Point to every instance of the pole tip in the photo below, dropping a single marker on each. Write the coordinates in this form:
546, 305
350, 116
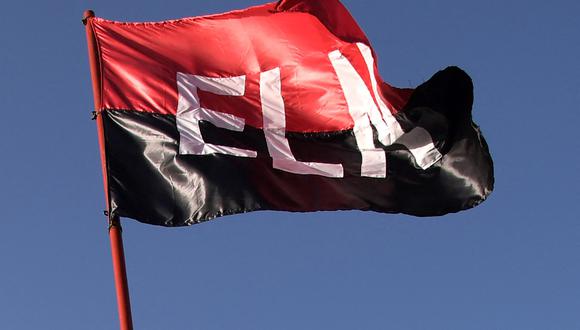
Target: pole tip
87, 14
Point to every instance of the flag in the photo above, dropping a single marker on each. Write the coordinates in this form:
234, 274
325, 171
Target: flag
275, 107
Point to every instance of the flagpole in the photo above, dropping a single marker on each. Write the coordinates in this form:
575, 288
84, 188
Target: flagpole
115, 231
121, 286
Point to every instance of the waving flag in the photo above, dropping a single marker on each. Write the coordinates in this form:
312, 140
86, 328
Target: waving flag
276, 107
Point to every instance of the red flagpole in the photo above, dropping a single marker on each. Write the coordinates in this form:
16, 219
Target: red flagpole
123, 303
115, 232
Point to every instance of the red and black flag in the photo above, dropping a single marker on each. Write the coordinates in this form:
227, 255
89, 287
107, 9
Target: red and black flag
276, 107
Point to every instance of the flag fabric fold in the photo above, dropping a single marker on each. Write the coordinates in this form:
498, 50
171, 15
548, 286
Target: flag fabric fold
277, 107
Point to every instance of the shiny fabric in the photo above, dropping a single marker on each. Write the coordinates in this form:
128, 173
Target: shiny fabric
140, 61
151, 181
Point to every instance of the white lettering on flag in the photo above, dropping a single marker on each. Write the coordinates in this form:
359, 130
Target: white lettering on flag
361, 106
190, 113
360, 103
392, 130
275, 130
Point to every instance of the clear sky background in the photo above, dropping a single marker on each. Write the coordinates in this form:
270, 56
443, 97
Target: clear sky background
511, 263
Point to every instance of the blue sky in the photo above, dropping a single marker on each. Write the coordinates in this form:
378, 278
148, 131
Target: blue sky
511, 263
